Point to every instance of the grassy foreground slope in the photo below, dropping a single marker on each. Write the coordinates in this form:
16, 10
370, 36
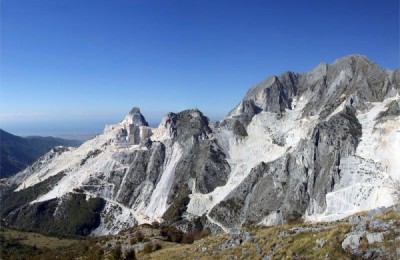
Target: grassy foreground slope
369, 235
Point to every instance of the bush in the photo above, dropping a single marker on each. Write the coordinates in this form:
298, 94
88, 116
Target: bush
116, 253
189, 238
156, 246
151, 247
202, 234
155, 224
139, 236
172, 234
130, 255
147, 248
133, 240
175, 235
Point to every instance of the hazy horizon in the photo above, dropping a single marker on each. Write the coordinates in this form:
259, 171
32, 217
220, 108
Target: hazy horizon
72, 66
74, 126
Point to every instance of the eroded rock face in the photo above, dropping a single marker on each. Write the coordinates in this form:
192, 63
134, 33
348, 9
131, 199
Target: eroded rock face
134, 117
319, 145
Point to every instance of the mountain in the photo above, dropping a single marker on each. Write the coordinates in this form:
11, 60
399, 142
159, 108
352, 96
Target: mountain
19, 152
317, 146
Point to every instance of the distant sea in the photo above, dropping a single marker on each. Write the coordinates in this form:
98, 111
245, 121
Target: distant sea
75, 136
77, 131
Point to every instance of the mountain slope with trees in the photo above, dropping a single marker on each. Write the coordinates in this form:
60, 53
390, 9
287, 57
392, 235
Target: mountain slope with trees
19, 152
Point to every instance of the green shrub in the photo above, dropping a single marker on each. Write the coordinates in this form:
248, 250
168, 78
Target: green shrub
116, 253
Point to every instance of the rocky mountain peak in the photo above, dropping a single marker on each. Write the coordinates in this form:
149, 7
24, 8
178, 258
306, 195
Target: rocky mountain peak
136, 126
134, 117
319, 146
356, 59
352, 79
185, 124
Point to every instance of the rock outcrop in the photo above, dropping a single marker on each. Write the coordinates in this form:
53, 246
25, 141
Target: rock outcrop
319, 146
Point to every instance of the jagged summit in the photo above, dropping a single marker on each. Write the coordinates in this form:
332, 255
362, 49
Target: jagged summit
359, 59
352, 79
135, 117
319, 145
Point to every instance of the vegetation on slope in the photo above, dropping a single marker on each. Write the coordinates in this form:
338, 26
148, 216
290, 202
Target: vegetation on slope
71, 215
19, 152
290, 241
10, 200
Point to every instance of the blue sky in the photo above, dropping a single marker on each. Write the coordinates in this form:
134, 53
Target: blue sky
73, 65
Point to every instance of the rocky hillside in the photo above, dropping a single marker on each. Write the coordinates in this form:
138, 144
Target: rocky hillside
318, 146
368, 235
19, 152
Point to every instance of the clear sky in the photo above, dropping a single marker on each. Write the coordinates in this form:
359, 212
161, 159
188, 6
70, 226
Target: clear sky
76, 65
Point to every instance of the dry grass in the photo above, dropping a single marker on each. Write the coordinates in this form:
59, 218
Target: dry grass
282, 247
303, 244
391, 215
189, 251
280, 242
291, 241
38, 240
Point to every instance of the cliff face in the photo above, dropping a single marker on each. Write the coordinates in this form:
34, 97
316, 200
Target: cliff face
319, 146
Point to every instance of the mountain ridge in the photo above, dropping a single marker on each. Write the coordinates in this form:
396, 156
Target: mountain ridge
306, 146
19, 152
